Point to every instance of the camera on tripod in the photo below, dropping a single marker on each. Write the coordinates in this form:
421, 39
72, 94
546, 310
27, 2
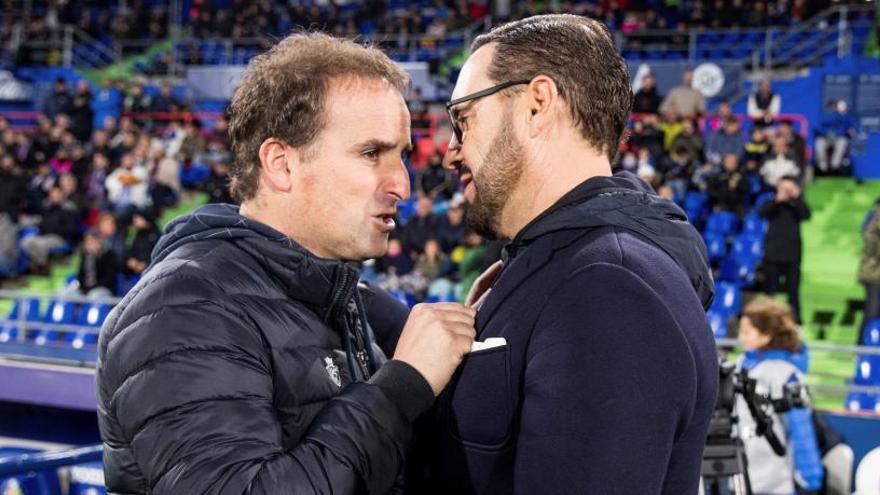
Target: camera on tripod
724, 460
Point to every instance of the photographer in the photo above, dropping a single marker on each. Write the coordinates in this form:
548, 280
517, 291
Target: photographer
775, 356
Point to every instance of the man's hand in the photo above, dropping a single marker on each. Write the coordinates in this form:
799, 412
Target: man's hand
435, 339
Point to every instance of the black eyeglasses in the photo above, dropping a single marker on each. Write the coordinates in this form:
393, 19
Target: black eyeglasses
453, 117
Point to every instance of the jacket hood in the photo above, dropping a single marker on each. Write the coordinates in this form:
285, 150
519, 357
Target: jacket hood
624, 201
325, 284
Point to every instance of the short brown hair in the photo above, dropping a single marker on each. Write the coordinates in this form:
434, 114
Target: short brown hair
283, 92
579, 55
774, 319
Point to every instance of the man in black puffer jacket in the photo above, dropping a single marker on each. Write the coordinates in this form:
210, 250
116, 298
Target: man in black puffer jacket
243, 362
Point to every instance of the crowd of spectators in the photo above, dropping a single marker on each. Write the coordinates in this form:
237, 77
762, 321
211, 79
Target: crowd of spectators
99, 177
143, 22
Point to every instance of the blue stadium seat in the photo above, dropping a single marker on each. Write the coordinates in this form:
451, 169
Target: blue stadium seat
763, 198
721, 222
871, 335
716, 246
860, 401
738, 271
754, 225
57, 313
696, 200
90, 315
748, 246
718, 323
867, 371
728, 299
31, 312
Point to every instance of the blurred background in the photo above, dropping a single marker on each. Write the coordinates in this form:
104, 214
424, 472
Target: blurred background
112, 123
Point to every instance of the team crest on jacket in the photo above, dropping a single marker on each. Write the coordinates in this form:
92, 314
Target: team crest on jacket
333, 371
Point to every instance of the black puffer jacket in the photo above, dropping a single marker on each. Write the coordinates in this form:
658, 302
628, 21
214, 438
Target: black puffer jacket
230, 368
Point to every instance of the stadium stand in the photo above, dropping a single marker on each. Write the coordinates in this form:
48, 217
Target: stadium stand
110, 107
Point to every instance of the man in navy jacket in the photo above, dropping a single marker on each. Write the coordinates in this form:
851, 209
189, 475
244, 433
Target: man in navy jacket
607, 375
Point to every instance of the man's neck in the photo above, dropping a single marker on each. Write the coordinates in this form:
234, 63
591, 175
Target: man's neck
549, 177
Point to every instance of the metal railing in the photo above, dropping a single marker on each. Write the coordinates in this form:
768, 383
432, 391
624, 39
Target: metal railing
817, 351
829, 32
42, 461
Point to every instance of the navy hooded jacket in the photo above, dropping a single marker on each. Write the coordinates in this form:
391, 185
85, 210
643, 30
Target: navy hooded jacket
609, 374
228, 369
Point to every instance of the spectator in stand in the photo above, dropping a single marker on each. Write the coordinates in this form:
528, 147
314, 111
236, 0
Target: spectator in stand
193, 142
797, 146
145, 238
112, 236
764, 105
70, 187
60, 101
779, 164
725, 141
128, 189
219, 133
646, 136
58, 228
98, 268
107, 102
647, 99
677, 170
165, 100
95, 190
434, 181
782, 244
12, 188
38, 188
451, 228
690, 139
217, 185
757, 148
82, 116
419, 228
835, 133
432, 263
684, 99
396, 262
138, 102
729, 188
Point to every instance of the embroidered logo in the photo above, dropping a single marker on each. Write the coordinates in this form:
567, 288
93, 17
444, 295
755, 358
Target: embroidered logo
333, 371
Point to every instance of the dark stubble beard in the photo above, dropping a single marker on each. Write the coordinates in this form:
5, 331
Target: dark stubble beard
495, 181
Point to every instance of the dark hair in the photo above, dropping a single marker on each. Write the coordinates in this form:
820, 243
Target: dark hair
283, 92
579, 55
774, 319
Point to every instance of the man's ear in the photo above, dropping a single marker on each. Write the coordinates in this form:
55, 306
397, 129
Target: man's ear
277, 164
542, 100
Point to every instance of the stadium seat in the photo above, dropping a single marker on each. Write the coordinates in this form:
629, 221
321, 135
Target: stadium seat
738, 271
728, 299
57, 313
31, 311
871, 335
718, 323
90, 315
721, 222
763, 198
861, 401
754, 225
867, 371
405, 211
716, 246
748, 246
